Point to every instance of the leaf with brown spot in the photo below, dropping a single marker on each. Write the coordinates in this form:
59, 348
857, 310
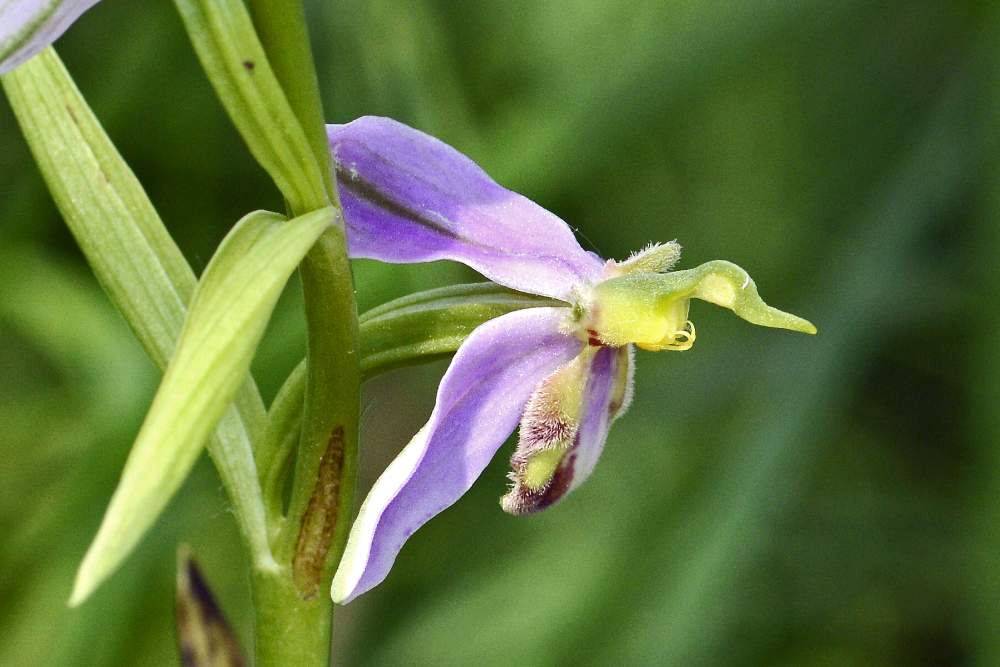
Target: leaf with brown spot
320, 519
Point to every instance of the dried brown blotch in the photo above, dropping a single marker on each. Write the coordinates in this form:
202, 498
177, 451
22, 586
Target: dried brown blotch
319, 519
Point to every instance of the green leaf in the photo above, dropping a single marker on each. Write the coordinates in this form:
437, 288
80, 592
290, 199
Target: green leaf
133, 256
432, 324
228, 315
105, 207
227, 45
284, 426
413, 329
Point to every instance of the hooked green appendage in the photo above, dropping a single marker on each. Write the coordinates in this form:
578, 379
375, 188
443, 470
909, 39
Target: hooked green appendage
651, 309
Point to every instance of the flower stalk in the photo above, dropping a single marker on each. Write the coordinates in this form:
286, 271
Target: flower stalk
311, 536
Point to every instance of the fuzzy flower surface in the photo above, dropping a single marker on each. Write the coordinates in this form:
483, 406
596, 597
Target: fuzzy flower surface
562, 373
28, 26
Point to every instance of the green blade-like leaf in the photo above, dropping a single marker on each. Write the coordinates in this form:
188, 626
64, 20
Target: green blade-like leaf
227, 45
133, 256
432, 324
228, 315
105, 207
413, 329
284, 427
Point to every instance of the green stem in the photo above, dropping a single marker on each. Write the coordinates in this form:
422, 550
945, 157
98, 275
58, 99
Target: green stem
330, 415
289, 630
293, 611
312, 536
281, 27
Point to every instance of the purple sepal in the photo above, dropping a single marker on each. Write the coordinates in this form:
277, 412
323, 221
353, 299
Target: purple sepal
408, 197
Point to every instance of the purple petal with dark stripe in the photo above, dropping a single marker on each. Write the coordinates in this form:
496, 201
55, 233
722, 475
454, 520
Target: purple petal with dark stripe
408, 197
479, 403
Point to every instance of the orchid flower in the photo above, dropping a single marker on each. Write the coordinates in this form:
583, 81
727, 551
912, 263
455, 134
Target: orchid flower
28, 26
562, 372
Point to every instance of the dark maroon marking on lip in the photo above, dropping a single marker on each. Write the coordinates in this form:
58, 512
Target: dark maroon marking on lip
561, 481
248, 65
539, 435
528, 501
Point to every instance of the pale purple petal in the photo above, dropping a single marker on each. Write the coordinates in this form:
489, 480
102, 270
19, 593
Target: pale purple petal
28, 26
479, 403
408, 197
608, 394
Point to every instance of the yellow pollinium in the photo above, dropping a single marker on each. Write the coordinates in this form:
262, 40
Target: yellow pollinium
679, 340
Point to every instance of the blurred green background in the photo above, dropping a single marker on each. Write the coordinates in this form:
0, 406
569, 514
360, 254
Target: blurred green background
771, 499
